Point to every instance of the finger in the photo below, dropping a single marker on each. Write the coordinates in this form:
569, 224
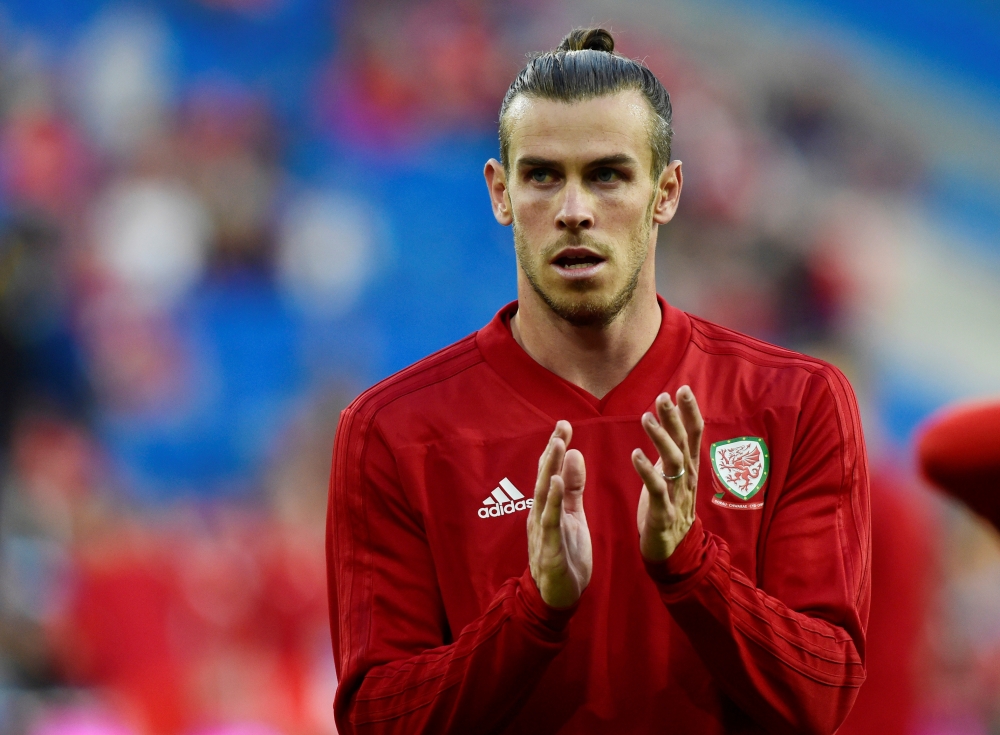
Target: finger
552, 514
550, 462
574, 471
659, 500
642, 510
563, 430
670, 454
670, 419
574, 476
693, 421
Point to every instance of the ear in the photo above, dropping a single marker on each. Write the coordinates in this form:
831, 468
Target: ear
668, 193
496, 182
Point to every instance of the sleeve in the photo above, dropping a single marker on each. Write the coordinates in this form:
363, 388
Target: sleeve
789, 652
400, 670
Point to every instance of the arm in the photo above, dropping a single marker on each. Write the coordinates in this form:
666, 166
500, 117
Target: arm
401, 670
789, 652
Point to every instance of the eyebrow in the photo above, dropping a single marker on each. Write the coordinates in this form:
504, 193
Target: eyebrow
619, 159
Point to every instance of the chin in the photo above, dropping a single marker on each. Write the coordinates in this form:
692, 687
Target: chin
587, 310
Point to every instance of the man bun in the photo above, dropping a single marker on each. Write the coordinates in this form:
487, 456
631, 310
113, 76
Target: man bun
588, 39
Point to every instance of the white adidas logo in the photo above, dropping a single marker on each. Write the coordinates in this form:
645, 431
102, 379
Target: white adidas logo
503, 500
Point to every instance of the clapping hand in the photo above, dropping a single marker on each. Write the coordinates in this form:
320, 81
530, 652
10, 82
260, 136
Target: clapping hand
559, 550
670, 487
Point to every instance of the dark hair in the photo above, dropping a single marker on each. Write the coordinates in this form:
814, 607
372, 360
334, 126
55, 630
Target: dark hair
585, 66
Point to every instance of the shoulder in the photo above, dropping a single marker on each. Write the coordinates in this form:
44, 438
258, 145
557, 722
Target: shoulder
714, 340
753, 361
422, 384
421, 377
809, 401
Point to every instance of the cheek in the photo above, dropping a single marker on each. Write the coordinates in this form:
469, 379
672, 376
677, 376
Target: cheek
532, 212
626, 214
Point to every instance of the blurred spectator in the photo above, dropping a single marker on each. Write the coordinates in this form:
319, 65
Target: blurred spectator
52, 470
413, 71
904, 572
327, 250
229, 147
959, 451
151, 238
122, 79
42, 364
211, 614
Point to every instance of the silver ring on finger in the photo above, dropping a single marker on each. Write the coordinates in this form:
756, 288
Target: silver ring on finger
678, 476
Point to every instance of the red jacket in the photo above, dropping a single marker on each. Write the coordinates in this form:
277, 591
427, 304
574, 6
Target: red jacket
755, 624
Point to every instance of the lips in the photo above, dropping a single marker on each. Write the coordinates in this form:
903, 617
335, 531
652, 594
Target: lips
577, 261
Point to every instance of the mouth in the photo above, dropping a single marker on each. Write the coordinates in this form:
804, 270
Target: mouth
577, 262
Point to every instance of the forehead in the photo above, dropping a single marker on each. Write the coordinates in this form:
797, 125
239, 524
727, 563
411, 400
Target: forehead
580, 131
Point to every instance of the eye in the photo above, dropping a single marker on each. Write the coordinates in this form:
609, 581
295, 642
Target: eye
541, 175
606, 175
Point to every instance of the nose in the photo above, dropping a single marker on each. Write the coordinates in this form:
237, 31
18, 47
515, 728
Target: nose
575, 211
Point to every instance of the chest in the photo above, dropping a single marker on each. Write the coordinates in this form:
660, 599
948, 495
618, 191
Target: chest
474, 493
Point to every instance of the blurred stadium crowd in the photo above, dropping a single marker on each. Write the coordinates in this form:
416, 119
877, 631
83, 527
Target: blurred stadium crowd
221, 219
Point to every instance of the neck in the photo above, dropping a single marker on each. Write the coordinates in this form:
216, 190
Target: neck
594, 358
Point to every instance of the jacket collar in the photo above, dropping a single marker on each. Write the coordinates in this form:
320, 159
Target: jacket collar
560, 399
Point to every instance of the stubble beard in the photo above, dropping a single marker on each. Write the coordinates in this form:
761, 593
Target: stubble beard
587, 312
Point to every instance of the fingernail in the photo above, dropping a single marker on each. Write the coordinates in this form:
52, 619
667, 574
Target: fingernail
649, 418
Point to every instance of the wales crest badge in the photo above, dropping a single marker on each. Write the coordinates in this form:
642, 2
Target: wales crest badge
741, 466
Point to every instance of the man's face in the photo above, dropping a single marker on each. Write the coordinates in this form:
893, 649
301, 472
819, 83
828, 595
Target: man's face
582, 201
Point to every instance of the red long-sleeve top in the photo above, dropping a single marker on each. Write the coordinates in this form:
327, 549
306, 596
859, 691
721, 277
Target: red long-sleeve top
756, 623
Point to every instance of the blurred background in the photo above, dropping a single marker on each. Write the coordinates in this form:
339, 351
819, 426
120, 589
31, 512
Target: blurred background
220, 220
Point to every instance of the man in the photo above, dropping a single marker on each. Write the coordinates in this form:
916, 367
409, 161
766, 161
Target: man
958, 450
667, 564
